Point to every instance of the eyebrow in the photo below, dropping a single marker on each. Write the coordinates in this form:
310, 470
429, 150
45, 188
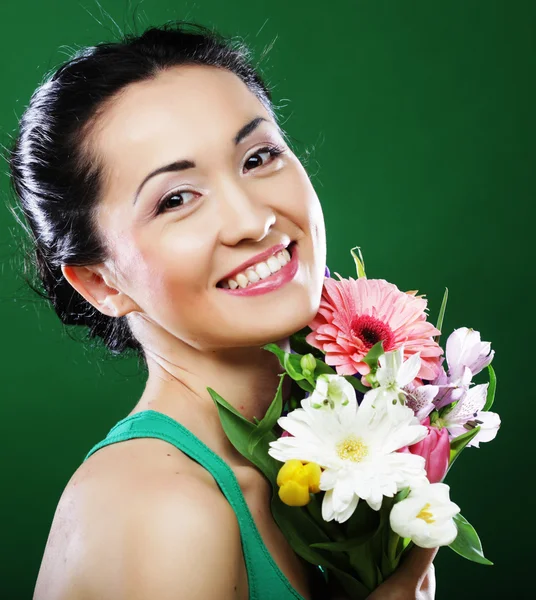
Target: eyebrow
182, 165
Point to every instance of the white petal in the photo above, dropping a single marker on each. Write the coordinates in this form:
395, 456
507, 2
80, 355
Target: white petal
388, 366
483, 360
409, 369
465, 349
344, 515
455, 346
343, 494
468, 405
328, 479
489, 425
441, 531
288, 448
375, 501
420, 399
328, 513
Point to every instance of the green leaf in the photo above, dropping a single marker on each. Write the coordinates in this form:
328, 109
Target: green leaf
275, 349
459, 443
238, 430
490, 397
439, 323
300, 530
467, 542
362, 560
363, 525
332, 529
291, 363
274, 411
359, 262
386, 567
401, 495
260, 438
346, 545
373, 355
220, 402
304, 527
362, 519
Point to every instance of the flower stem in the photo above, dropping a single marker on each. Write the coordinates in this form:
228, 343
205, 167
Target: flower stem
394, 538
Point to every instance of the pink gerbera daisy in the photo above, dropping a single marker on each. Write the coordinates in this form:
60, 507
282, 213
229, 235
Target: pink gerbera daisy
355, 314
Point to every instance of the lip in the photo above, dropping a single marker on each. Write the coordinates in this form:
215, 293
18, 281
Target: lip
274, 281
255, 259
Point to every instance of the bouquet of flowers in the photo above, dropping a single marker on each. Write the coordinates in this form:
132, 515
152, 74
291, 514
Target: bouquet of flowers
357, 454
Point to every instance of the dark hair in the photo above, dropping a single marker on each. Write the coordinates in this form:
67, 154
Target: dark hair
57, 181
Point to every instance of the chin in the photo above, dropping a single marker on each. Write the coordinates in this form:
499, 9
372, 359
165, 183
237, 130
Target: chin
281, 324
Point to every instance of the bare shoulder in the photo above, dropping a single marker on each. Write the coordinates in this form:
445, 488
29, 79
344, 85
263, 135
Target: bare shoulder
131, 525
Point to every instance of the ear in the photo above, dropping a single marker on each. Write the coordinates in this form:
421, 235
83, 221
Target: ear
95, 285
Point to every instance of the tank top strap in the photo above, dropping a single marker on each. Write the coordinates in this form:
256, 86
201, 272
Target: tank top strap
151, 423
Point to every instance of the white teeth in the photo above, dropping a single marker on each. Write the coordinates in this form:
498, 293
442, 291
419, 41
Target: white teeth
242, 280
274, 264
263, 270
259, 271
252, 275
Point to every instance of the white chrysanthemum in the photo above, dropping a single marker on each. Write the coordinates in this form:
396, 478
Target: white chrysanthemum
425, 516
357, 448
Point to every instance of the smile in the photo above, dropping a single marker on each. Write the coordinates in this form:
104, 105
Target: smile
264, 276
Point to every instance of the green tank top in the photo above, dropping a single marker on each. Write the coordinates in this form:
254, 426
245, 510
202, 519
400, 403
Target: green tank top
266, 581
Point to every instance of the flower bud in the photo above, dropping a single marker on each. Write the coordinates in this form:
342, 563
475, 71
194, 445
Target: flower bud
297, 480
308, 364
435, 449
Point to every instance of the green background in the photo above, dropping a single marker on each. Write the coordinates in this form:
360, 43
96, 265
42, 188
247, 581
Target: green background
416, 122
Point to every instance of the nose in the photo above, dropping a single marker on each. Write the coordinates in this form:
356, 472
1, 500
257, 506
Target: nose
244, 216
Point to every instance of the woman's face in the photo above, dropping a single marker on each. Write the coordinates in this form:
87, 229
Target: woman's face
176, 238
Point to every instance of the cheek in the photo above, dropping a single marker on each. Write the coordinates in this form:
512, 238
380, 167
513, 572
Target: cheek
302, 204
308, 215
171, 271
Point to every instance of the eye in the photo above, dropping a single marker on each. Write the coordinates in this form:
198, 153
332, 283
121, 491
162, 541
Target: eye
272, 151
172, 200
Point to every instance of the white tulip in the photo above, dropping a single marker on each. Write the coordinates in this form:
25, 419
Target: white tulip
426, 516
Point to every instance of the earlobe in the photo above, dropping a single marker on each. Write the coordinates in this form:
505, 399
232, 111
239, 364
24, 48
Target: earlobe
92, 284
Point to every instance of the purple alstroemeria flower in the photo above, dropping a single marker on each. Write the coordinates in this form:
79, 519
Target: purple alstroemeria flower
466, 356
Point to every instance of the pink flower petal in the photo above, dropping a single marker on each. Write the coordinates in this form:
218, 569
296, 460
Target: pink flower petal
354, 314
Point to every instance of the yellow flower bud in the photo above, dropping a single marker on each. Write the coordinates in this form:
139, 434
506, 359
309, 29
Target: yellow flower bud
314, 472
288, 470
296, 480
294, 494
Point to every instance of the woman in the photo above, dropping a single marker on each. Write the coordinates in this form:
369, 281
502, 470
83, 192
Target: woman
170, 216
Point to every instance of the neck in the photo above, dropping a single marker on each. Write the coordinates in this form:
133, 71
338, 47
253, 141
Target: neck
247, 378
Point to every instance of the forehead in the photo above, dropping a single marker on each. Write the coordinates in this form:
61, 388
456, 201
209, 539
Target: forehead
178, 113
